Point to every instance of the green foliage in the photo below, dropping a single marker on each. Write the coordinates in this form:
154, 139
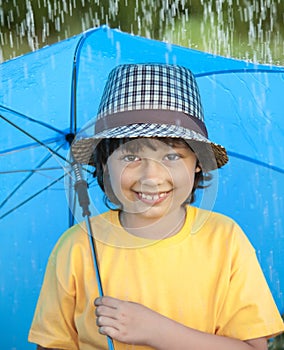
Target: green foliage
250, 29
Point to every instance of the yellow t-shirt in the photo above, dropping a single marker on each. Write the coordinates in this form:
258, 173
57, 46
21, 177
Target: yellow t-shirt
206, 277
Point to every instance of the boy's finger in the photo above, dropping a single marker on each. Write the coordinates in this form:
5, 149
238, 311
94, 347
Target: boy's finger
98, 302
107, 301
103, 310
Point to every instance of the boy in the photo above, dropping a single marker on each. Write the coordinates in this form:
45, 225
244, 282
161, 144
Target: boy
174, 276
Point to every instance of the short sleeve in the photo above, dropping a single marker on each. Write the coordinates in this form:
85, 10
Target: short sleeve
53, 324
249, 310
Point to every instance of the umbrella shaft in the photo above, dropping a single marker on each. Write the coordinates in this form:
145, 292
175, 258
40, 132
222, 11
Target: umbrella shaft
96, 266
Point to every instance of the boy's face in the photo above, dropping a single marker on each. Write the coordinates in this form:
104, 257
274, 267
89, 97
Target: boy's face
150, 182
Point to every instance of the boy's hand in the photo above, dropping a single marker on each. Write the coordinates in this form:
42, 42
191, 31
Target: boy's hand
126, 321
136, 324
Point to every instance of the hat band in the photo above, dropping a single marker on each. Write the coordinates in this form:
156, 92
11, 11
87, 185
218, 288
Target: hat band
151, 116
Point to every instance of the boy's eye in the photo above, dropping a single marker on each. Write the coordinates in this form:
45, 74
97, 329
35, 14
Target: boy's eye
172, 156
130, 158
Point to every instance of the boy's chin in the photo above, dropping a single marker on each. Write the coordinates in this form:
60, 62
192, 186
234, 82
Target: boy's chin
147, 211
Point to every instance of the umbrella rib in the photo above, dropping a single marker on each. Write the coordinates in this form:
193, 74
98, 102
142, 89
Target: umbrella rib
73, 116
73, 107
242, 70
34, 138
43, 161
255, 161
28, 146
31, 197
31, 119
29, 170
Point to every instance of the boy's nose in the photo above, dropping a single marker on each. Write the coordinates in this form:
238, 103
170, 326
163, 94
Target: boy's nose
152, 172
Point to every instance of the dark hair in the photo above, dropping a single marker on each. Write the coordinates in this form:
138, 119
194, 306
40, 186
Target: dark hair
107, 146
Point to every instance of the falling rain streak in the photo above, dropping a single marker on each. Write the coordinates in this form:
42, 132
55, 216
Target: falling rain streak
246, 29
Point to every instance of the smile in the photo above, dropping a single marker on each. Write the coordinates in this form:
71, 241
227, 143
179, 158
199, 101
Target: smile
152, 197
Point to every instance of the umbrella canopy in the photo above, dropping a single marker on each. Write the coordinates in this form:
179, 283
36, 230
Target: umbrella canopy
47, 96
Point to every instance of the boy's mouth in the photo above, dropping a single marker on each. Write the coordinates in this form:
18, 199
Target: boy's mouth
152, 197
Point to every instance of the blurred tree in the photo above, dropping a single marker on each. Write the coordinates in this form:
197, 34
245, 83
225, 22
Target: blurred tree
248, 29
242, 28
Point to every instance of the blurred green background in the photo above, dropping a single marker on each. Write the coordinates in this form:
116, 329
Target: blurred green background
246, 29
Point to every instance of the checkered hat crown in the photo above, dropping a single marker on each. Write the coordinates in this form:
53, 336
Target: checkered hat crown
150, 100
151, 87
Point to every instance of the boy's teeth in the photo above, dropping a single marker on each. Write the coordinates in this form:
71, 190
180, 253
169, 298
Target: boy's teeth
153, 197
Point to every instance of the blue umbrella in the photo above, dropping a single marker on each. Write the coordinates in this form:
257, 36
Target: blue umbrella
48, 96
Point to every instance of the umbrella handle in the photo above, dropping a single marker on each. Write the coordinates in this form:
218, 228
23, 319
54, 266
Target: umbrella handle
81, 187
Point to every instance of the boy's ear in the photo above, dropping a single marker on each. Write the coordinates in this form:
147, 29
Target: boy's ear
197, 168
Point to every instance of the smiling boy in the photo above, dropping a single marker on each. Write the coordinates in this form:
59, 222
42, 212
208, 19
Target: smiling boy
175, 277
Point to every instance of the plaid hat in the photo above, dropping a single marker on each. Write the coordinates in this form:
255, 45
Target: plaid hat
150, 100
